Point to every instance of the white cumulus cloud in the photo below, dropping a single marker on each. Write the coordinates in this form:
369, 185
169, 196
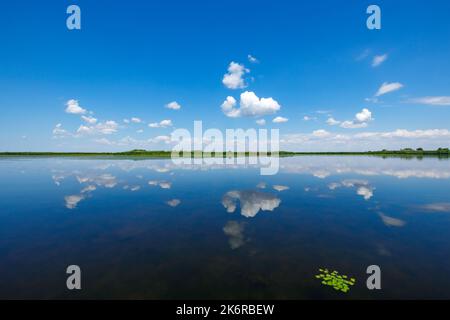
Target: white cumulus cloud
332, 122
361, 120
162, 124
73, 107
233, 79
107, 127
173, 105
250, 106
364, 116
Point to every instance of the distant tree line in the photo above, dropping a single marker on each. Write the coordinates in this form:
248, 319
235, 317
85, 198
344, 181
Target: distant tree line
406, 152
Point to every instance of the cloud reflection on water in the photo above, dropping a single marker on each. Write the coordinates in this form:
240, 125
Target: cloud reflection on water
251, 202
235, 232
363, 188
94, 173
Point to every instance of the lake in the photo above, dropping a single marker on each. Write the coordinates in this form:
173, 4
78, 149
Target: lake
148, 229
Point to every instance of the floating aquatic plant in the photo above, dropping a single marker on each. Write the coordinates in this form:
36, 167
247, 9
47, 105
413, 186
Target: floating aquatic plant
334, 279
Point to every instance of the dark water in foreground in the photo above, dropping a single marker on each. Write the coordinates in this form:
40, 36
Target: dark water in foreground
149, 229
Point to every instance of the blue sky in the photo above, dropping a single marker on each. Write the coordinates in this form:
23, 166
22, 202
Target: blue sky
317, 60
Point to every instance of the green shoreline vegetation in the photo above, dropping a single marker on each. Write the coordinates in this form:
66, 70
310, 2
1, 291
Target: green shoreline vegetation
408, 152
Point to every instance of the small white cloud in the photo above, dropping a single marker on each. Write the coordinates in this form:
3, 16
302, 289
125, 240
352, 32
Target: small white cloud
136, 120
85, 130
252, 59
280, 120
433, 101
364, 116
228, 107
59, 132
353, 125
378, 60
89, 119
332, 122
261, 122
250, 106
320, 133
73, 107
159, 139
162, 124
387, 87
361, 120
233, 79
173, 105
107, 127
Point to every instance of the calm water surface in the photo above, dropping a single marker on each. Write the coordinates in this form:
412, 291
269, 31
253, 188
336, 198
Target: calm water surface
148, 229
